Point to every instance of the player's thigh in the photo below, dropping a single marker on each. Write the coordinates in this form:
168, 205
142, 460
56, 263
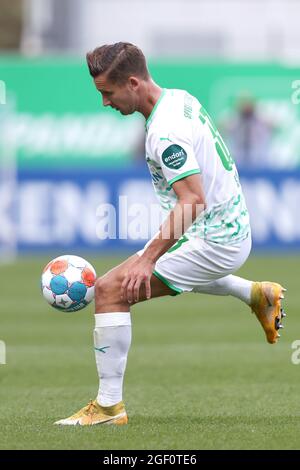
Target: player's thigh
158, 289
109, 284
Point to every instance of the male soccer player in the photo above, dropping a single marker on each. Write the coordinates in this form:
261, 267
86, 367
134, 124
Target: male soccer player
203, 240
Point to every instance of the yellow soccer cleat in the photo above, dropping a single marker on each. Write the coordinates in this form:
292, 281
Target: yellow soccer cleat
266, 304
94, 413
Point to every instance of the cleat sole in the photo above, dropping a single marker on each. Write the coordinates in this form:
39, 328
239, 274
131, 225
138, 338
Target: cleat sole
269, 312
277, 323
283, 314
275, 302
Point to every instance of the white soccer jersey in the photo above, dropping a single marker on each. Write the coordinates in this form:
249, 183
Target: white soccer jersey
182, 140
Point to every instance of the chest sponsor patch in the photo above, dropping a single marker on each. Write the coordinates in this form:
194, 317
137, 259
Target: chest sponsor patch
174, 157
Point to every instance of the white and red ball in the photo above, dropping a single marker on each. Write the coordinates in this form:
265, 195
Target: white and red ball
68, 283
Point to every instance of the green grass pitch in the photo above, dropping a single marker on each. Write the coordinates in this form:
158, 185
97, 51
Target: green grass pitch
200, 374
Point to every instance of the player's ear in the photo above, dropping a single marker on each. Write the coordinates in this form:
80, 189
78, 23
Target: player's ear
134, 83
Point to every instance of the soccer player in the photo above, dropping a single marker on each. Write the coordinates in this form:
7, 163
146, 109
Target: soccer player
204, 239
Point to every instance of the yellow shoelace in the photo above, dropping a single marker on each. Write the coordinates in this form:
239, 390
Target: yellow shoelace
90, 407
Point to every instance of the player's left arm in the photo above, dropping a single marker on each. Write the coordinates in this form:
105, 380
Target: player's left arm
190, 202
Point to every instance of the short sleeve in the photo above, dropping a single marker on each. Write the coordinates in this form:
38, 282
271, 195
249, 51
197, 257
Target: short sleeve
175, 154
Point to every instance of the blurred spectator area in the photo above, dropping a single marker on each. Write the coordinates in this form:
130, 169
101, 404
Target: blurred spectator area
213, 48
248, 133
231, 29
11, 17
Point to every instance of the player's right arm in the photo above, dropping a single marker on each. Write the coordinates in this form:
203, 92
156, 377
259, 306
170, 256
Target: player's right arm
175, 158
190, 203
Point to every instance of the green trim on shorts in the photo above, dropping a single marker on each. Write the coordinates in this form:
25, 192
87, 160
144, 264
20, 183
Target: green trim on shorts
183, 175
165, 281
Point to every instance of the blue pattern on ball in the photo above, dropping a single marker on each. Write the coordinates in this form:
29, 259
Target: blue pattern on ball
77, 291
59, 285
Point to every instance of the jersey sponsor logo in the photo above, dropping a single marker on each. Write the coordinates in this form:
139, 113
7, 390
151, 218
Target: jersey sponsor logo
174, 157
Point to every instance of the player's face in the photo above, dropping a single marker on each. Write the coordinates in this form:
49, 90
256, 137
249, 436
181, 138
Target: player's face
123, 97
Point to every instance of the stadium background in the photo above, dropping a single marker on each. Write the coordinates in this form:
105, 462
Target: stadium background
62, 154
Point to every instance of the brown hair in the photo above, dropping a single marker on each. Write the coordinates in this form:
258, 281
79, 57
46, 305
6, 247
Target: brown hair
119, 61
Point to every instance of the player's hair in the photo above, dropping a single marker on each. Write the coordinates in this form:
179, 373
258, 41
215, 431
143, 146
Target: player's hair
119, 61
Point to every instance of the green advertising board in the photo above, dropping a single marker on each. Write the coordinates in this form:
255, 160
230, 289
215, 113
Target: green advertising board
54, 115
274, 88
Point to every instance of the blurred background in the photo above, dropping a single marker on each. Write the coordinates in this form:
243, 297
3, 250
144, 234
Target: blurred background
62, 153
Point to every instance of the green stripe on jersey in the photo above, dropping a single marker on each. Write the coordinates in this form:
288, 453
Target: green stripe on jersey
183, 175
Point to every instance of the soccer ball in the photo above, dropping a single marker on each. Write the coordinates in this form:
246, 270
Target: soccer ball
68, 283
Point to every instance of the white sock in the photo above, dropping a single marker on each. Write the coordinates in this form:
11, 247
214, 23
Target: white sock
112, 338
228, 285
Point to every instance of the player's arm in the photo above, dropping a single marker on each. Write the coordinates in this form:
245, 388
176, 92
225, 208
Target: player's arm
190, 203
175, 156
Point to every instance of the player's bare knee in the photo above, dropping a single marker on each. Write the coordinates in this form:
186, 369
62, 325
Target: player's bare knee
107, 295
101, 287
106, 287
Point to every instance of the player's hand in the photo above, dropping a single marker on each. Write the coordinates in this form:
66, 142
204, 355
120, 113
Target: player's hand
140, 273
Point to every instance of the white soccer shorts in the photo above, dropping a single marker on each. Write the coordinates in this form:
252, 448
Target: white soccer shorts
193, 264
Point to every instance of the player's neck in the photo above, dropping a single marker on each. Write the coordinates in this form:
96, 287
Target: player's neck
149, 99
